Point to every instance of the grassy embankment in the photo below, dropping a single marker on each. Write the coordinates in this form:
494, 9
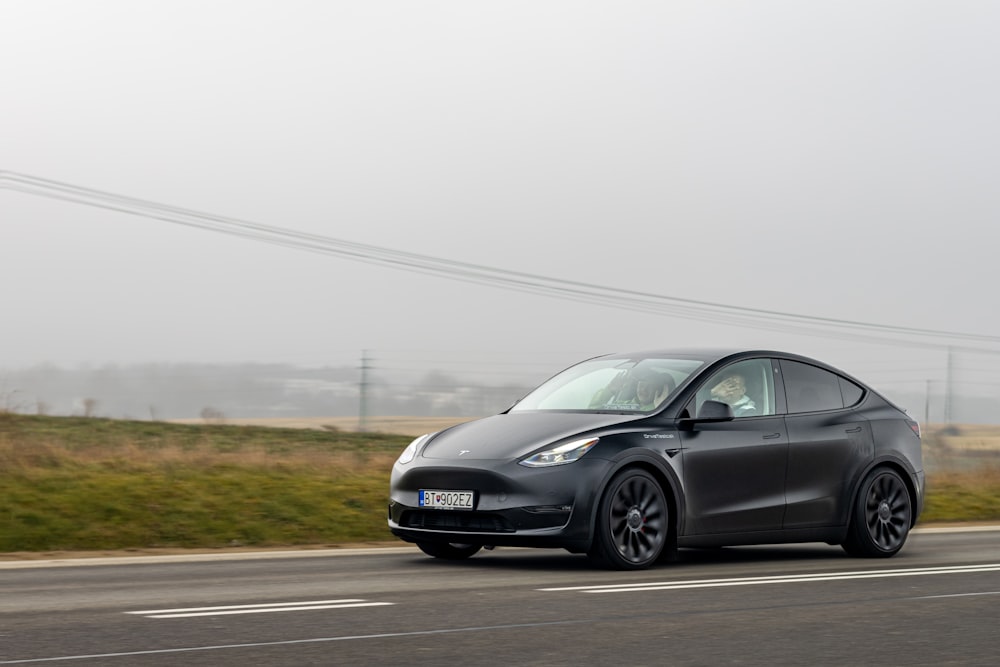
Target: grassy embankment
80, 484
94, 484
962, 464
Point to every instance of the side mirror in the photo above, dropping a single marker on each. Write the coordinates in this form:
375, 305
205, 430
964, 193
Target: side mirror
715, 411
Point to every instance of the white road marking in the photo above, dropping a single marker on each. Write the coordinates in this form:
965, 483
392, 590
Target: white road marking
785, 579
954, 529
956, 595
290, 642
311, 605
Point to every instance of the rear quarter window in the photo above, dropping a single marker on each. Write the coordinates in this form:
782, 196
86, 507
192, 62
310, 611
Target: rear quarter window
851, 392
810, 389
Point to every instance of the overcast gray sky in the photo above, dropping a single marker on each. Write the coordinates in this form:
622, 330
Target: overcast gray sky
836, 159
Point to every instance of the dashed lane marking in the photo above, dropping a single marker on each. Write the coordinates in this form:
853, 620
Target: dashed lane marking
784, 579
311, 605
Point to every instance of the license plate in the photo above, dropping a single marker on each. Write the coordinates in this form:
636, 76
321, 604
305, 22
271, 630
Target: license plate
446, 500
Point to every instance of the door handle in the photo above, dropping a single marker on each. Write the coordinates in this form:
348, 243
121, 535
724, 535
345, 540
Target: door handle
771, 436
856, 429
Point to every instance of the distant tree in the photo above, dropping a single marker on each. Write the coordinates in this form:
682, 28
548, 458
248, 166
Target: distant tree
212, 416
9, 401
90, 407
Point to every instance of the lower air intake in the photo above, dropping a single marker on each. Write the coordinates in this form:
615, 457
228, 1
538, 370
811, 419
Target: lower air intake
459, 521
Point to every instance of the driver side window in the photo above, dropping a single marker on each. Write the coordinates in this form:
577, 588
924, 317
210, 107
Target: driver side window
747, 386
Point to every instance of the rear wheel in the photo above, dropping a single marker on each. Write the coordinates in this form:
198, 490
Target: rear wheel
881, 519
449, 550
633, 522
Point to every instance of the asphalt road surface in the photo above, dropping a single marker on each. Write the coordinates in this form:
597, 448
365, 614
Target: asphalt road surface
936, 603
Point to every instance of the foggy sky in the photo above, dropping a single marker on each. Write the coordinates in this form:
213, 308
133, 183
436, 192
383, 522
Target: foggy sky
838, 159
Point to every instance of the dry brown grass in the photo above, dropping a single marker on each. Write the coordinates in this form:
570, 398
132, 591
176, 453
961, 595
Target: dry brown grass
412, 426
29, 455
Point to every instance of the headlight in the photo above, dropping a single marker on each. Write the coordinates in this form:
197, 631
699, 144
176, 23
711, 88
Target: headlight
411, 450
557, 456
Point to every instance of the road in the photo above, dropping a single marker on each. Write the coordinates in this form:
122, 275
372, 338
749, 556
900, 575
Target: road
936, 603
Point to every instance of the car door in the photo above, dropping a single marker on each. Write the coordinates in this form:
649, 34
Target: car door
734, 471
829, 445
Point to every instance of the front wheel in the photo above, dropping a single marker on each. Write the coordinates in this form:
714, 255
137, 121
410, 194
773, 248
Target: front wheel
449, 550
633, 522
881, 518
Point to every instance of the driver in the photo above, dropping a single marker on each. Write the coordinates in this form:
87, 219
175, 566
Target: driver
636, 389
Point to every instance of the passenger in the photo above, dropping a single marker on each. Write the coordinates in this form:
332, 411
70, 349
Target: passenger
732, 390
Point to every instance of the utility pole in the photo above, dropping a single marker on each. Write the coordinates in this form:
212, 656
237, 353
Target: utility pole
363, 413
927, 405
947, 388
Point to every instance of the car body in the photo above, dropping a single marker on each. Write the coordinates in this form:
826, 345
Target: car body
589, 463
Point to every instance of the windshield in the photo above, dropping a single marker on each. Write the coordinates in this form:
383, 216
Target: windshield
611, 383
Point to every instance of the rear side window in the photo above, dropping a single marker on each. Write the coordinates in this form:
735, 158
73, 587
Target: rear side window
809, 388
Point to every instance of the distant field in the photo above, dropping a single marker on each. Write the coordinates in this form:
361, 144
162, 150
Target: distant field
961, 447
954, 437
945, 447
966, 437
412, 426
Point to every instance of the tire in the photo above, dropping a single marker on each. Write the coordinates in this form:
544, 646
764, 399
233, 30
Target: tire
633, 522
449, 550
881, 518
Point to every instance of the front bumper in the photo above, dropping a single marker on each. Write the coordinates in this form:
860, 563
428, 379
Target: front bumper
513, 506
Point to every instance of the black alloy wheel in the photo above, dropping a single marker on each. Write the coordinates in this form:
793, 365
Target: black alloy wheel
449, 550
882, 516
632, 522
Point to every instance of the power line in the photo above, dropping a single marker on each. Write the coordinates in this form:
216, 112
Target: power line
644, 302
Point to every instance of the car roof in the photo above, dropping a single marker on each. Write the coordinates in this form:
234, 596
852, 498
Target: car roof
704, 353
711, 355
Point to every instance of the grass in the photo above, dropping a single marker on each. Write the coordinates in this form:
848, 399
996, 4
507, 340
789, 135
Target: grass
963, 496
95, 484
82, 484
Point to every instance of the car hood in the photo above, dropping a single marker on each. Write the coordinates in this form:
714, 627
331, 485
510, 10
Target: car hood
516, 434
